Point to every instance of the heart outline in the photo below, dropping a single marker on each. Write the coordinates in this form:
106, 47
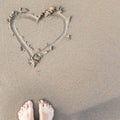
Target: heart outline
24, 13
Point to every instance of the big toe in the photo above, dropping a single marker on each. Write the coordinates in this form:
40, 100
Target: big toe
41, 103
30, 104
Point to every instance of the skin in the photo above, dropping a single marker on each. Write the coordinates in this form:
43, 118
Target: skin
46, 111
26, 111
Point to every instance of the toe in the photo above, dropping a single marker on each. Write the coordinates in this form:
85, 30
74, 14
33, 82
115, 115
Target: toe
30, 104
21, 109
51, 108
41, 103
19, 113
25, 106
46, 104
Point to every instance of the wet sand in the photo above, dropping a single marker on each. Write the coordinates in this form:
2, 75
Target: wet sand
80, 77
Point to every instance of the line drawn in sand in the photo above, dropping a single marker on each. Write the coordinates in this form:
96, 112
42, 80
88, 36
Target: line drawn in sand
35, 57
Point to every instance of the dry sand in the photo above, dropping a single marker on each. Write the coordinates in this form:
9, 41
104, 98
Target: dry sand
81, 77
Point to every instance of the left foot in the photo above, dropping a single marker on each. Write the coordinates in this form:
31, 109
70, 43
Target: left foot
26, 111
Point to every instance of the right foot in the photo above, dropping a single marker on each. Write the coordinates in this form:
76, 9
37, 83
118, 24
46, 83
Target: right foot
46, 111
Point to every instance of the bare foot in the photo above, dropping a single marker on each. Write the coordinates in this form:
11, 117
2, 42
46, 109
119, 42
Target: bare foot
26, 111
46, 111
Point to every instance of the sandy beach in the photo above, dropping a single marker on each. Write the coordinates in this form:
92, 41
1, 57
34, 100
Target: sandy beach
81, 77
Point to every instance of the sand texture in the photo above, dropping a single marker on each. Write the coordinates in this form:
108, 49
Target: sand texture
81, 77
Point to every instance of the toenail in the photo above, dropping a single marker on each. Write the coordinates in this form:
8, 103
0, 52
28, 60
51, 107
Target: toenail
41, 101
29, 101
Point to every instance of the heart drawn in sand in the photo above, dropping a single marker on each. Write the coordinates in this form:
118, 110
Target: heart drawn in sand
35, 57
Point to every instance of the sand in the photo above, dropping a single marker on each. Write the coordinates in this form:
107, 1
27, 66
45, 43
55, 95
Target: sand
80, 77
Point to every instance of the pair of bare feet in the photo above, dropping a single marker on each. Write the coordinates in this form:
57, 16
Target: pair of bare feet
46, 111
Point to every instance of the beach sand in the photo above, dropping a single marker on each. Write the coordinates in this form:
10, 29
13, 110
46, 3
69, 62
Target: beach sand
81, 77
